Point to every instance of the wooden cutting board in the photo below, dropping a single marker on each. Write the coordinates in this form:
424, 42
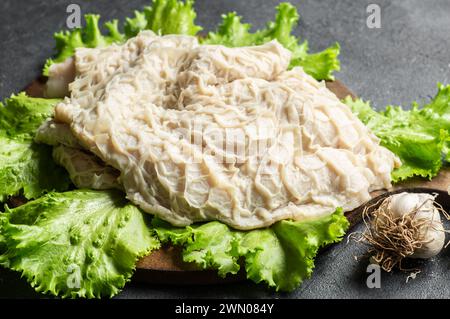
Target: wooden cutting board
166, 265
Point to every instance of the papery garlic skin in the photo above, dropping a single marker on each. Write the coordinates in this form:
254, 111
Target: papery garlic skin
431, 232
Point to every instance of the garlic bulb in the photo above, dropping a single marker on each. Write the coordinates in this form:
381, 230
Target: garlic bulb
432, 231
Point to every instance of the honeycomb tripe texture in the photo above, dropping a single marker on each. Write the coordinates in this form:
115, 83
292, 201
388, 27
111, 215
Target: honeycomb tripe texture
206, 132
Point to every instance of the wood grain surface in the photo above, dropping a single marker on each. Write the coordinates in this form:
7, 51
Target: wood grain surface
165, 265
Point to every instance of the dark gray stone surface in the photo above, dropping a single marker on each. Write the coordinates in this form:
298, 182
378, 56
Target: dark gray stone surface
397, 64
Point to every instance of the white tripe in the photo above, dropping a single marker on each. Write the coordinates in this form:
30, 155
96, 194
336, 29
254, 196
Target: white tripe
206, 132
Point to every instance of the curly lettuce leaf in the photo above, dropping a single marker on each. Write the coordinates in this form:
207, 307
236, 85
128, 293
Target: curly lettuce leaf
436, 114
21, 115
133, 26
172, 17
320, 65
29, 168
419, 136
24, 165
163, 16
209, 245
82, 243
282, 256
232, 32
2, 238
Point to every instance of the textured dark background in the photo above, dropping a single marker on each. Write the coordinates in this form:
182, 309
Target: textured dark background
397, 64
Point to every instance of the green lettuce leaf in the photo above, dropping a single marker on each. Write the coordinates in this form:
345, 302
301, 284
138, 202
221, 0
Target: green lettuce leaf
24, 165
210, 245
232, 32
419, 136
81, 243
133, 26
320, 65
2, 238
164, 17
21, 115
172, 17
282, 256
28, 167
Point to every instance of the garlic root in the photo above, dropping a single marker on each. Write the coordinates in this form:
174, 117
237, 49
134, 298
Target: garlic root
405, 225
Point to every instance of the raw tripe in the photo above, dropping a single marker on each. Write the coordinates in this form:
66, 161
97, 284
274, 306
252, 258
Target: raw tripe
206, 132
